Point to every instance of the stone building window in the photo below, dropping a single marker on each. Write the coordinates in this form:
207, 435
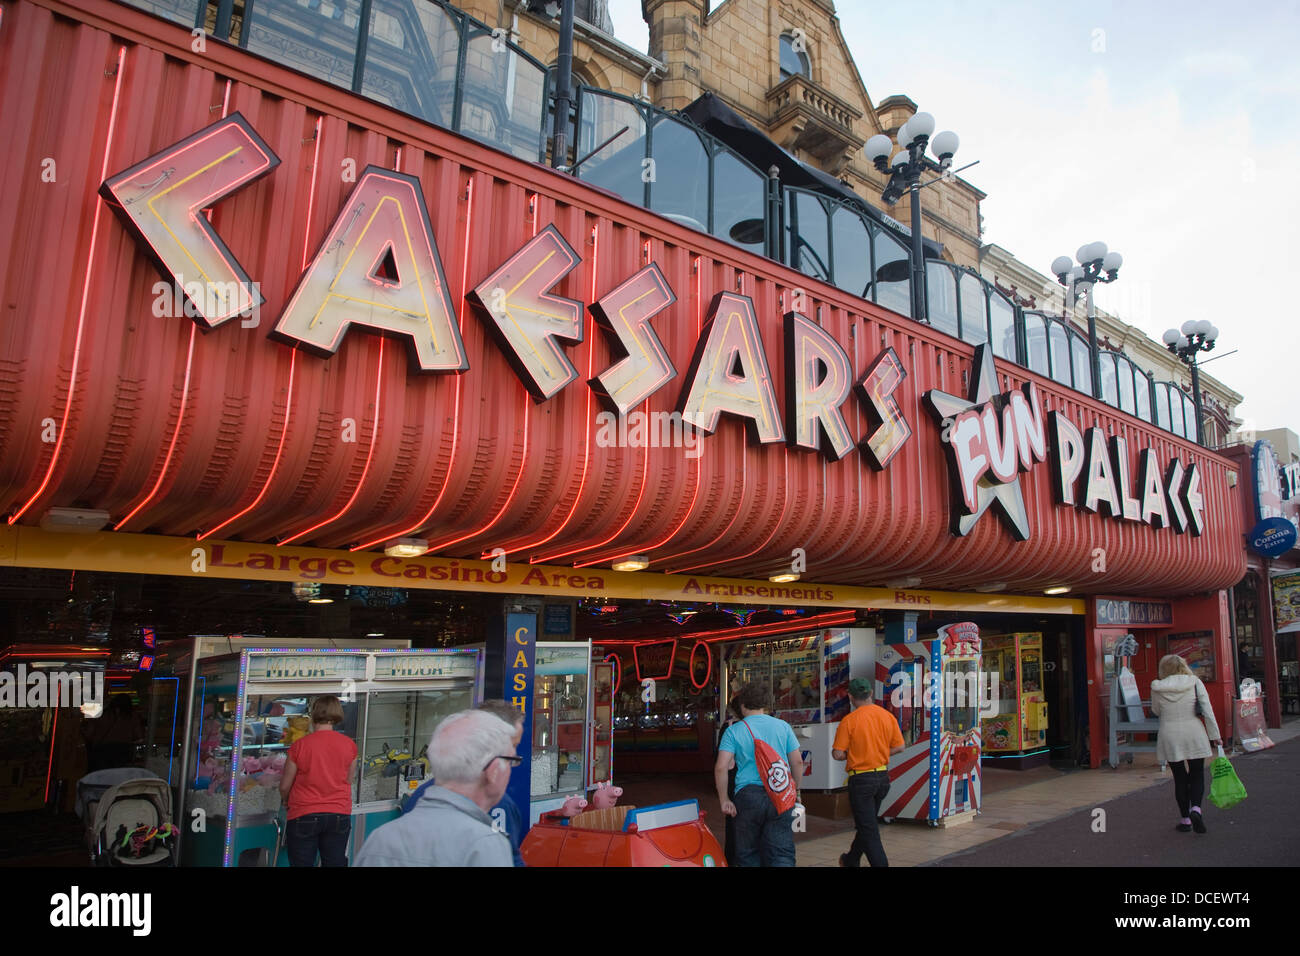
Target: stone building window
794, 56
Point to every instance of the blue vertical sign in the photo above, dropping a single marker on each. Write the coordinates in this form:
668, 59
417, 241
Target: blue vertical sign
520, 664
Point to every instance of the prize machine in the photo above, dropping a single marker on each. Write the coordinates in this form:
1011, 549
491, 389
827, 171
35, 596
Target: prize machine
933, 687
1016, 736
572, 725
246, 709
809, 675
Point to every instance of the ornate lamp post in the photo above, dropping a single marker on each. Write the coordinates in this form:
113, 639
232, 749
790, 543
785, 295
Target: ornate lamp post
1096, 264
1196, 336
907, 166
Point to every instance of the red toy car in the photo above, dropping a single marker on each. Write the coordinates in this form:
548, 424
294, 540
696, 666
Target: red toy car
668, 834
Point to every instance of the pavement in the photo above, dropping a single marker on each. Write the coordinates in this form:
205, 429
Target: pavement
1049, 822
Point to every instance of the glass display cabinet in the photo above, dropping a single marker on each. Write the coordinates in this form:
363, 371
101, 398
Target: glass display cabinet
1020, 724
572, 725
248, 708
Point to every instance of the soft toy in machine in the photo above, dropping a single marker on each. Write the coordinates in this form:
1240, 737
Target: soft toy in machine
668, 834
605, 796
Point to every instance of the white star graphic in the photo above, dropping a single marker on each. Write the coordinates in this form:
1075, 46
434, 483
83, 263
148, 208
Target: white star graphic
1008, 497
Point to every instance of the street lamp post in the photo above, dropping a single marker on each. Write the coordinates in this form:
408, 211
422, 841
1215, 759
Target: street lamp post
1096, 264
907, 166
1196, 336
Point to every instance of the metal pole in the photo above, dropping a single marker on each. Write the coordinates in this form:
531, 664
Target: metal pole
1092, 340
1196, 399
918, 261
563, 87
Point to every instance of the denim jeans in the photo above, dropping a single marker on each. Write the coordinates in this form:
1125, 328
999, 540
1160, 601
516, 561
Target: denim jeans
326, 832
762, 837
866, 795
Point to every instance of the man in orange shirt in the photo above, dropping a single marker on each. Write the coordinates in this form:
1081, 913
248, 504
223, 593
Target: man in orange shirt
866, 738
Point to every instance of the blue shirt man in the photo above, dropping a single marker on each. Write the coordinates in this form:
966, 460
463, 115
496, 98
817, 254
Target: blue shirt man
762, 837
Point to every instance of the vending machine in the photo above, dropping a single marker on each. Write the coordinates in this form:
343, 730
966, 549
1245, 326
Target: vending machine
1019, 728
247, 708
933, 687
572, 725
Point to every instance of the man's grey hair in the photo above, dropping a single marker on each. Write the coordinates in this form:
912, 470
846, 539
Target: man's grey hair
464, 743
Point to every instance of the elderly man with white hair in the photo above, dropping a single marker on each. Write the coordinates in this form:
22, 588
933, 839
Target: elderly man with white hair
470, 756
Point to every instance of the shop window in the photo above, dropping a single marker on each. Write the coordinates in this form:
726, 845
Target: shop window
1189, 418
1176, 411
852, 252
809, 232
974, 310
893, 282
679, 178
1002, 327
318, 39
1036, 339
1060, 343
794, 56
1109, 383
1081, 355
618, 167
738, 195
1161, 391
791, 667
1142, 394
1124, 373
411, 59
941, 296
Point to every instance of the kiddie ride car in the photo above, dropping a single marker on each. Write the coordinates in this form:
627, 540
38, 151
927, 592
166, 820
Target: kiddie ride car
668, 834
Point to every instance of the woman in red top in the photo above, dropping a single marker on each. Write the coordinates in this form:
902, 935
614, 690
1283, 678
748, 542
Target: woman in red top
317, 784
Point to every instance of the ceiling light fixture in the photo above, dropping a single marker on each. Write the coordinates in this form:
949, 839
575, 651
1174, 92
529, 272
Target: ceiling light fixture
76, 520
635, 562
908, 582
1057, 589
991, 587
406, 548
784, 577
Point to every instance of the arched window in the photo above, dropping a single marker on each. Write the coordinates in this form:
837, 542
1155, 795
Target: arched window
852, 252
794, 55
679, 180
1125, 370
1109, 386
974, 310
1142, 383
1189, 418
893, 279
1082, 363
1060, 343
941, 296
809, 235
1176, 411
1162, 405
1002, 326
1036, 339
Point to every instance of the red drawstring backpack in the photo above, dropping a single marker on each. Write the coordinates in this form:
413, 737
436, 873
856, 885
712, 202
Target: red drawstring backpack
775, 774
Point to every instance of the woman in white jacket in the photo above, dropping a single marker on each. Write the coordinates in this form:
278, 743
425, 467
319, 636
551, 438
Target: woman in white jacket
1183, 741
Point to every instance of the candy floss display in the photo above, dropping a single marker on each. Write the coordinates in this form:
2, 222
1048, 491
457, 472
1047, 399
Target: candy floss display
933, 687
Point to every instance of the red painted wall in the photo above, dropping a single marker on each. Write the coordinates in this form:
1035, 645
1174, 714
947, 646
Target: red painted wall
194, 429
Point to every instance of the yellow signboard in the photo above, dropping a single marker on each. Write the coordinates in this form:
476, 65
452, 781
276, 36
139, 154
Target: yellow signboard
186, 557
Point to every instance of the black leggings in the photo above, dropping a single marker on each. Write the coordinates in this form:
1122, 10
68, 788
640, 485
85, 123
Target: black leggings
1189, 784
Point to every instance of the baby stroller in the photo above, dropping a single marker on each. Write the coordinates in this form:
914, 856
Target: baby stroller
127, 812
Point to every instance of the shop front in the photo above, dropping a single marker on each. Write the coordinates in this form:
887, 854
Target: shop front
302, 338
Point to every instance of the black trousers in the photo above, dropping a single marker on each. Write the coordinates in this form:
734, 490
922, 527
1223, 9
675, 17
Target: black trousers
867, 793
1189, 784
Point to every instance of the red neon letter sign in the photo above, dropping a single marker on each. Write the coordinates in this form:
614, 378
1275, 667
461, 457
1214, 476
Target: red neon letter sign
731, 340
385, 222
525, 320
626, 314
876, 389
161, 200
818, 379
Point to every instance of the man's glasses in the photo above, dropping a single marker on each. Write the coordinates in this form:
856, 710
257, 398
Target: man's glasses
515, 760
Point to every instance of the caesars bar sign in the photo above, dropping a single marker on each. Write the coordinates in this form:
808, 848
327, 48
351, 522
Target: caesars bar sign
379, 267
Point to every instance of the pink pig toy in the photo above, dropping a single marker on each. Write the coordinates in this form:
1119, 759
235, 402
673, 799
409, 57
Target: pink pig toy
572, 807
605, 796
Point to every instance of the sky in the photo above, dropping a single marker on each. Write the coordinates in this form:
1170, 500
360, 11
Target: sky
1168, 130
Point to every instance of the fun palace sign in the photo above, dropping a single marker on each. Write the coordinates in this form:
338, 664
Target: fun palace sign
379, 268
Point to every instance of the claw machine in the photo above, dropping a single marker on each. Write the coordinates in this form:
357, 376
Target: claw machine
248, 708
1017, 734
572, 725
933, 687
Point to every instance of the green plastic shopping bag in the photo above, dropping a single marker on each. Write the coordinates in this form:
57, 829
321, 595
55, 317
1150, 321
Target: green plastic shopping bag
1226, 789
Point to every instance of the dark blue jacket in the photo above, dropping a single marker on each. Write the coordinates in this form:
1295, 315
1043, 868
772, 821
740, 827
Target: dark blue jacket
514, 819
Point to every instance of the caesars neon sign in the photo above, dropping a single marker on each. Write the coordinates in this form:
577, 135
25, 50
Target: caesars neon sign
379, 267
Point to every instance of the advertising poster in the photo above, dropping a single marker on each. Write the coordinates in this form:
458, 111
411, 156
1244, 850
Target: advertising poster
1286, 601
1197, 648
1248, 718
